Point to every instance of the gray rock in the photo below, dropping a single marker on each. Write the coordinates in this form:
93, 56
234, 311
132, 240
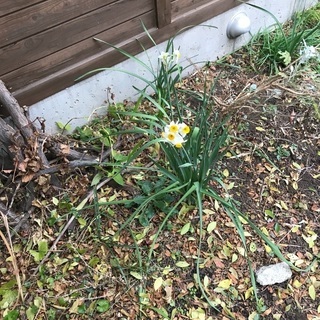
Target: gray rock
274, 273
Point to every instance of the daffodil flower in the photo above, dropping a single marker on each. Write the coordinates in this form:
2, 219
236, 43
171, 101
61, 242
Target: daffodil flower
173, 127
175, 132
178, 141
164, 57
177, 55
170, 136
183, 129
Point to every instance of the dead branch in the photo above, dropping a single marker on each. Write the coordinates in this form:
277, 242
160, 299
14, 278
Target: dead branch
14, 110
64, 150
65, 166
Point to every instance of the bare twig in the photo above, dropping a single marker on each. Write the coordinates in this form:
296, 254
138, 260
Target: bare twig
14, 195
8, 244
297, 92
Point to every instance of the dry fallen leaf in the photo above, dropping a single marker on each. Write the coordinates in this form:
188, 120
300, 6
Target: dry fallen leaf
65, 149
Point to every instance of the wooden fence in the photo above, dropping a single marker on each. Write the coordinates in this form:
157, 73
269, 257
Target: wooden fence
46, 44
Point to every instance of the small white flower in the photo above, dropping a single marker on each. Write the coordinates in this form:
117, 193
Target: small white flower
175, 133
308, 52
177, 55
183, 129
170, 136
178, 141
172, 127
164, 57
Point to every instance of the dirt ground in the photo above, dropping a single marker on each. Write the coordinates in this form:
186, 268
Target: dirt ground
272, 168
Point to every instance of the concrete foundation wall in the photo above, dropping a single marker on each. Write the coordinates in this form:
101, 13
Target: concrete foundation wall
78, 104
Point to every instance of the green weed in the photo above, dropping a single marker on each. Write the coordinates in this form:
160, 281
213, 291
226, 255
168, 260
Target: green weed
278, 46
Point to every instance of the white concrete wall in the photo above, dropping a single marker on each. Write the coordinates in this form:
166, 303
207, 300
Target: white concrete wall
88, 98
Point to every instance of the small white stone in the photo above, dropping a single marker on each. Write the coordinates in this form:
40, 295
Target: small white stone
274, 273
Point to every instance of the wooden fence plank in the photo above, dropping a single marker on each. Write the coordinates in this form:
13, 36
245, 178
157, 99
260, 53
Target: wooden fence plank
45, 15
9, 6
38, 90
180, 7
60, 61
201, 10
163, 12
48, 42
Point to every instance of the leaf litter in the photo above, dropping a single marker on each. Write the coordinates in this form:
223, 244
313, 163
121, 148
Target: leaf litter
272, 169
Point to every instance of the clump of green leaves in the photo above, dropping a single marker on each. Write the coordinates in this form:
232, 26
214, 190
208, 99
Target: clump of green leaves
195, 161
8, 293
96, 134
277, 46
309, 18
161, 202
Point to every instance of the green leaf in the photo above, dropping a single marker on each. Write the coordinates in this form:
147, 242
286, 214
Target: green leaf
224, 284
206, 281
269, 213
312, 292
158, 283
230, 186
94, 261
43, 248
225, 172
119, 157
62, 126
285, 57
283, 205
162, 312
103, 306
118, 179
185, 165
62, 302
136, 275
35, 255
8, 298
82, 309
211, 226
12, 315
185, 228
185, 209
253, 247
96, 179
32, 312
82, 204
59, 124
82, 222
277, 227
146, 187
55, 201
310, 239
8, 285
182, 264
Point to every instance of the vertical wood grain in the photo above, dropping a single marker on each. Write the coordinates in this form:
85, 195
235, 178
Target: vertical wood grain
163, 8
